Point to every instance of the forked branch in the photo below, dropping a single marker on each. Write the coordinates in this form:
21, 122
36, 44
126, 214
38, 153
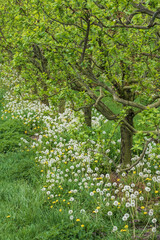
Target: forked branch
100, 97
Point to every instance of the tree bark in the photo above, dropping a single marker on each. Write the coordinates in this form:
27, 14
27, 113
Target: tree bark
44, 98
127, 140
88, 116
62, 105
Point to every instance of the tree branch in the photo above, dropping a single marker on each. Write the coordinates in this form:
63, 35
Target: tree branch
154, 105
85, 41
153, 18
142, 9
132, 129
99, 5
140, 158
101, 107
100, 97
151, 55
91, 76
124, 26
80, 108
136, 105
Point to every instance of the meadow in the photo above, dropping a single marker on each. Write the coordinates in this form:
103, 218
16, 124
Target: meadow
62, 180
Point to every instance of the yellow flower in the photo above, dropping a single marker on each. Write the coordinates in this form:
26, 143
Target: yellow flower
77, 220
82, 225
51, 206
60, 210
123, 230
145, 212
142, 207
98, 207
156, 191
126, 226
41, 170
8, 216
134, 172
64, 200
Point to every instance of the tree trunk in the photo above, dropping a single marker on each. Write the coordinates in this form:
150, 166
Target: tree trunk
44, 100
127, 140
88, 116
62, 105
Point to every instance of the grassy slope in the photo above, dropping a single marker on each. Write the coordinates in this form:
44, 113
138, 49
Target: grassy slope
23, 212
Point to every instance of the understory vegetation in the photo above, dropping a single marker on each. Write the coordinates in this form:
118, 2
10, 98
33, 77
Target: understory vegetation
60, 181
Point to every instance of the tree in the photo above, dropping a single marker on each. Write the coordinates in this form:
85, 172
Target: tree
102, 48
112, 46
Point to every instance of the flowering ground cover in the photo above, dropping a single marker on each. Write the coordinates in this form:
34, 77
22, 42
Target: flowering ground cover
84, 191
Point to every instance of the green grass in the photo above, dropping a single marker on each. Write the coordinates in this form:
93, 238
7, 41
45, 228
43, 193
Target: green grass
25, 212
